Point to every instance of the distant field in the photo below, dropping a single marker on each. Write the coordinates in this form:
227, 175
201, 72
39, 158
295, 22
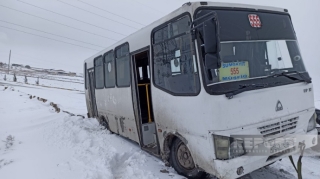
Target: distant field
54, 81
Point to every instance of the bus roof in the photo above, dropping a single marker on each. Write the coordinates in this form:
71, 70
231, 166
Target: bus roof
141, 38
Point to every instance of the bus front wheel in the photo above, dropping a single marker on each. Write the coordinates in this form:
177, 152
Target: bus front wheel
182, 161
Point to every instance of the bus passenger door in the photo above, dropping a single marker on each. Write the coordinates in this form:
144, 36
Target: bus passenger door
143, 102
92, 97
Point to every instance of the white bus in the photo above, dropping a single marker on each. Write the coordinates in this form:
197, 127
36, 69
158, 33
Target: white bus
188, 87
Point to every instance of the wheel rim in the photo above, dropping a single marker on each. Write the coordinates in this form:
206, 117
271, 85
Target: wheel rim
184, 157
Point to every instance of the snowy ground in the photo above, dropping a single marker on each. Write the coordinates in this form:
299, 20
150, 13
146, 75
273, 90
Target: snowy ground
64, 82
38, 143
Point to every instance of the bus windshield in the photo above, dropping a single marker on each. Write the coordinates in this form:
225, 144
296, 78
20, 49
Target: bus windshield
251, 59
253, 45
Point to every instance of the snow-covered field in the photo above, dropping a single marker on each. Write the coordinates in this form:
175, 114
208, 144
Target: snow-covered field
72, 83
38, 143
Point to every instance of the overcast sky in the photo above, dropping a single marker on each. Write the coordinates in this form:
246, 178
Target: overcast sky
72, 30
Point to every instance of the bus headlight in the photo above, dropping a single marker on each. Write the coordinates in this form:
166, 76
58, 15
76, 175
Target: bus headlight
221, 147
312, 122
227, 148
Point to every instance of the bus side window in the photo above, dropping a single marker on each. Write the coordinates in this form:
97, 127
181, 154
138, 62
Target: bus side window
174, 63
109, 70
123, 65
98, 73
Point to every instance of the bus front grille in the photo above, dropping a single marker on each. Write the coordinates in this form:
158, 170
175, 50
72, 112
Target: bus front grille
279, 128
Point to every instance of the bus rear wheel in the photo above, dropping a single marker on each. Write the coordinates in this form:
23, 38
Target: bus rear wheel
103, 122
182, 161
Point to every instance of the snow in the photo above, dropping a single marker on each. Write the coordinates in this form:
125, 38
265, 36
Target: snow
55, 145
50, 81
38, 143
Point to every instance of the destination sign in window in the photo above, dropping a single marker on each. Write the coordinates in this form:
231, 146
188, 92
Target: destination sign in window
234, 71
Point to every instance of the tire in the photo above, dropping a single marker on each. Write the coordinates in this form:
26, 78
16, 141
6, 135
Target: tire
103, 122
184, 164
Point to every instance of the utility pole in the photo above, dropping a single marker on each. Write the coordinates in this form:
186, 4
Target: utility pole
9, 62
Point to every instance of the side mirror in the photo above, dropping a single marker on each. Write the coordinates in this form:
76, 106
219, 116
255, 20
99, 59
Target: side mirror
212, 61
211, 43
210, 37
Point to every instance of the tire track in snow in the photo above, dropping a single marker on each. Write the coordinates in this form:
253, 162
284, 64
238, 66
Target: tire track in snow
8, 144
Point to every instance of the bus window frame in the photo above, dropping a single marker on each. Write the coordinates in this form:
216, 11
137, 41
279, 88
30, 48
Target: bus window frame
152, 56
115, 69
85, 76
116, 66
94, 67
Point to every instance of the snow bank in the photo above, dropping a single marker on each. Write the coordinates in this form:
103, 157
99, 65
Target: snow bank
55, 145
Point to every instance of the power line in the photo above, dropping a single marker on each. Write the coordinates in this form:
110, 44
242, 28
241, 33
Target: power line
110, 12
49, 38
57, 22
97, 14
51, 33
72, 18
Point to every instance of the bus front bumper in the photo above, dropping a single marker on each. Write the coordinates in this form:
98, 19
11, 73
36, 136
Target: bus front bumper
240, 166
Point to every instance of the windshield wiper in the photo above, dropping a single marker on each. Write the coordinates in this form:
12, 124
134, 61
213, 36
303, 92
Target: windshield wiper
245, 87
285, 74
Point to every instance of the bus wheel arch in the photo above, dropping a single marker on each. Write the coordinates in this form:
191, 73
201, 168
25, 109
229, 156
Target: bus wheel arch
178, 155
104, 122
169, 138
